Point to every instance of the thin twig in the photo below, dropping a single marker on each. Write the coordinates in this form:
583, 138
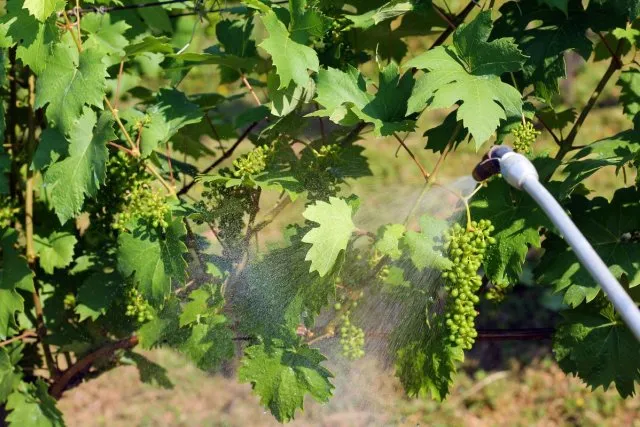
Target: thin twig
116, 97
222, 158
272, 214
165, 184
423, 171
69, 27
444, 17
253, 93
29, 333
116, 117
567, 144
553, 135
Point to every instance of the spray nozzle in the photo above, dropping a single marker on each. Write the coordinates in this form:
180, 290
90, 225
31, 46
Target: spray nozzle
490, 163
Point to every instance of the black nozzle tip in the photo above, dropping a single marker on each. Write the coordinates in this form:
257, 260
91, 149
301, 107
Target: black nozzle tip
490, 164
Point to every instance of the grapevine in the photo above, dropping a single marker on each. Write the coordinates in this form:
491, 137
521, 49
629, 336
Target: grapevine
144, 203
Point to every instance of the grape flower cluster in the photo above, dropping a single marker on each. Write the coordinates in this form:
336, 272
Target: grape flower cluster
138, 306
524, 137
144, 204
8, 213
255, 161
466, 248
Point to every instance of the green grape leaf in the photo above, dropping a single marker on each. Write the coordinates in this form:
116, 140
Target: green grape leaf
69, 82
213, 56
171, 112
307, 23
14, 274
164, 328
104, 36
15, 269
428, 366
387, 11
209, 343
422, 246
516, 218
629, 83
202, 302
281, 292
617, 150
150, 372
557, 119
55, 250
291, 59
388, 240
593, 343
155, 261
42, 9
149, 44
31, 405
562, 5
52, 146
84, 170
331, 235
34, 39
282, 376
9, 378
96, 294
345, 100
609, 227
468, 72
285, 101
439, 137
544, 35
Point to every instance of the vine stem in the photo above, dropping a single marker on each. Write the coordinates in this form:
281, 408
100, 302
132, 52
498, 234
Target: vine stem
116, 96
59, 385
41, 329
165, 184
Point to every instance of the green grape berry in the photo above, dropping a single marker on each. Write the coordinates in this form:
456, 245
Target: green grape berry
524, 137
465, 248
8, 212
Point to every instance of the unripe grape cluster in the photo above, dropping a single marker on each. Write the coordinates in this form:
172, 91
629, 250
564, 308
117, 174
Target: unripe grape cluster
69, 302
524, 137
8, 213
351, 339
253, 162
466, 248
144, 204
138, 306
335, 49
498, 291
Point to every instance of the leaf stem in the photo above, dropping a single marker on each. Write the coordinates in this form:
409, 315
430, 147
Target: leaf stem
165, 184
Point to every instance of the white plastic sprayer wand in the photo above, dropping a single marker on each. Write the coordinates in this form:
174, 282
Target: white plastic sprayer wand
519, 172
